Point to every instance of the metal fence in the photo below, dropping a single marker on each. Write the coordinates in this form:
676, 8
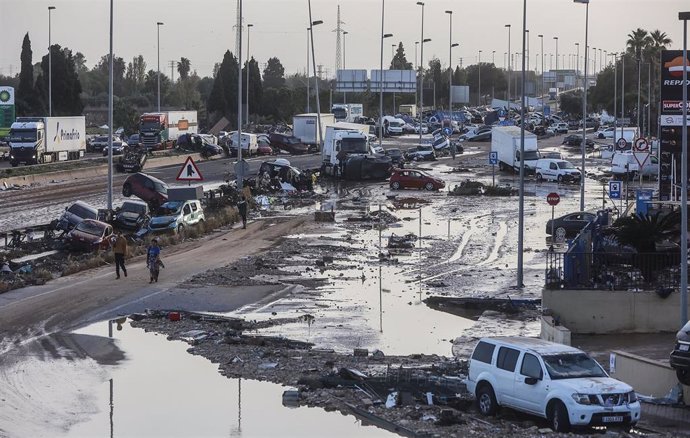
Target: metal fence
613, 271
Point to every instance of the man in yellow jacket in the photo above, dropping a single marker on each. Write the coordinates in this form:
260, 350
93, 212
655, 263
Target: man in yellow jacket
120, 250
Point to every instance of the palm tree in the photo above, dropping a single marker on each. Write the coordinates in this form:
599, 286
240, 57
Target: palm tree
658, 41
183, 67
638, 41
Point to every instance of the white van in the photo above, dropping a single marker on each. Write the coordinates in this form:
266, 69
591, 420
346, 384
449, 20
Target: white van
250, 143
553, 381
552, 169
628, 164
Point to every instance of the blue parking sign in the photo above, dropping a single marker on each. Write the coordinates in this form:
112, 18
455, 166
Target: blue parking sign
615, 189
493, 158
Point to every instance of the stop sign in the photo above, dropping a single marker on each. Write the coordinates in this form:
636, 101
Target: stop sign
553, 198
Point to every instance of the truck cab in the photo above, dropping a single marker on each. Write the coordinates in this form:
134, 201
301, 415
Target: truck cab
340, 144
26, 140
152, 131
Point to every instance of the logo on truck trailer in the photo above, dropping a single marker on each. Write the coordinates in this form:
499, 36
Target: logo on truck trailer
65, 135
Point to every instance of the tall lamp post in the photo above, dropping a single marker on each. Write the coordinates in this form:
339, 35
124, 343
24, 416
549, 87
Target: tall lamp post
508, 27
158, 44
556, 71
316, 77
421, 75
521, 203
450, 66
684, 16
50, 64
308, 69
383, 36
479, 77
577, 63
584, 109
344, 92
240, 169
110, 115
541, 38
246, 120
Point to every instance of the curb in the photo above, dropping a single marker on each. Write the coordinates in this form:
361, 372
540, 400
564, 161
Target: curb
89, 172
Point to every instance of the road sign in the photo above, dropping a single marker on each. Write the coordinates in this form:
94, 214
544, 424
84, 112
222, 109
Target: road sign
493, 158
615, 189
641, 145
242, 168
621, 143
553, 198
189, 171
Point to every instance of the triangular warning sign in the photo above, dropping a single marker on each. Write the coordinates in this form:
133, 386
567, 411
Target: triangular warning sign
189, 171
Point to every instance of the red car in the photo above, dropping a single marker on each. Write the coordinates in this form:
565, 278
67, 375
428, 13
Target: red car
264, 149
414, 179
147, 188
90, 235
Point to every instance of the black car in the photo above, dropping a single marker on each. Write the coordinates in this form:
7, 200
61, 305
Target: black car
680, 357
570, 224
396, 155
576, 140
421, 153
132, 215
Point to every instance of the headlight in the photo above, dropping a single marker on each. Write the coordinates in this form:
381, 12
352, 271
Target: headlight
33, 157
631, 397
583, 399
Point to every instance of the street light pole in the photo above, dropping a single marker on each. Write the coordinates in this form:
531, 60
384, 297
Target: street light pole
684, 16
450, 66
240, 169
345, 91
50, 64
308, 93
541, 37
316, 77
249, 26
158, 44
479, 82
521, 207
584, 109
615, 93
577, 64
110, 115
383, 36
556, 72
421, 76
509, 56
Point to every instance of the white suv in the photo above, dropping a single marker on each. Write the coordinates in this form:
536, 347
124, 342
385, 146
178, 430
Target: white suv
554, 381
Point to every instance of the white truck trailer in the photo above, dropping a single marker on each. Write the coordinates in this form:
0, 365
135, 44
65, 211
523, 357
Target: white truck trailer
161, 130
304, 127
36, 140
505, 140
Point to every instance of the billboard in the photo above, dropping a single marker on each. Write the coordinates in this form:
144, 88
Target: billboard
671, 119
7, 113
461, 94
354, 81
398, 81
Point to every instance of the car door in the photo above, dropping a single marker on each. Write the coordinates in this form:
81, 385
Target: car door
530, 387
553, 171
416, 180
506, 363
187, 218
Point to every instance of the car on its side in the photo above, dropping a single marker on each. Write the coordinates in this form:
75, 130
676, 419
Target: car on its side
421, 153
576, 140
131, 215
397, 158
414, 179
74, 214
483, 133
554, 381
680, 356
570, 224
90, 235
554, 169
147, 188
175, 216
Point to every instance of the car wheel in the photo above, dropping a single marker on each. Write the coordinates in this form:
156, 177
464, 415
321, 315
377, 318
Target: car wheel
560, 179
395, 185
127, 190
539, 177
558, 417
683, 376
486, 400
429, 186
560, 233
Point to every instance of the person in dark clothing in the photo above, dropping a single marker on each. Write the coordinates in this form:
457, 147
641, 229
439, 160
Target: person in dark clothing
120, 250
242, 208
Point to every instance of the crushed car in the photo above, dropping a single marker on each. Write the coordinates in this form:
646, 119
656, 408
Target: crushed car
175, 216
89, 235
75, 214
131, 215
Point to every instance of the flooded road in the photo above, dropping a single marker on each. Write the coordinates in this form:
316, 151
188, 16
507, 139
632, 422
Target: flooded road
140, 384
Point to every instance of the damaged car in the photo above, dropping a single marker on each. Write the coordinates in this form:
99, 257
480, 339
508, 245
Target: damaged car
131, 215
175, 216
89, 235
414, 179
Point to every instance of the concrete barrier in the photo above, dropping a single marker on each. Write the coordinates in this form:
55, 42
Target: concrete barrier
649, 377
600, 311
554, 333
92, 171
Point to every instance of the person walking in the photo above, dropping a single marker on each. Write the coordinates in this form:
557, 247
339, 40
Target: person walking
153, 260
120, 250
242, 208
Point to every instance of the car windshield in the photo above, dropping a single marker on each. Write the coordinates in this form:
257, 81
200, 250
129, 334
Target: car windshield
134, 137
565, 165
170, 208
150, 125
531, 155
572, 366
354, 145
89, 227
134, 207
19, 135
339, 113
161, 188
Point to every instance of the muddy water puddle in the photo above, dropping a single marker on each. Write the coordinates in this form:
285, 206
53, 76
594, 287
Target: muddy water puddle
140, 384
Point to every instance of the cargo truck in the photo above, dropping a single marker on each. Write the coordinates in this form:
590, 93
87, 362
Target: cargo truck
34, 140
304, 127
505, 140
159, 131
347, 112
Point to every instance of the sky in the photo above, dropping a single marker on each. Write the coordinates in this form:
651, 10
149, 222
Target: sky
202, 30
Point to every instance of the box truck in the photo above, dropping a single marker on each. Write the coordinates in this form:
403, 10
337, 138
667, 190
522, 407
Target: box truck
505, 141
304, 127
347, 153
161, 130
347, 112
36, 140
